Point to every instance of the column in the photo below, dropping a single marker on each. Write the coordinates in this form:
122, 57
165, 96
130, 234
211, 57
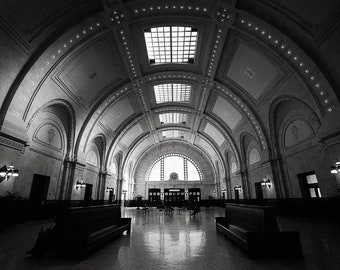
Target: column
72, 170
245, 184
101, 185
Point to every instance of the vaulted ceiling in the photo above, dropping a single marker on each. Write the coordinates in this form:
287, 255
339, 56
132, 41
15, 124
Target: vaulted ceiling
93, 56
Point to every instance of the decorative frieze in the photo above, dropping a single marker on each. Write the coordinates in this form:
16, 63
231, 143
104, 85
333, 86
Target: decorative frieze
12, 144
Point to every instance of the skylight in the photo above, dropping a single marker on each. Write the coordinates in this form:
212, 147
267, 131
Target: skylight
171, 44
172, 92
172, 134
172, 118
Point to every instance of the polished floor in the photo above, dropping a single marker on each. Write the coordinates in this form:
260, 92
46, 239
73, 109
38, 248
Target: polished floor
161, 240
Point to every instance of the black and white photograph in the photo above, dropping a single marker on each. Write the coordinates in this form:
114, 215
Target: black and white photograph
170, 134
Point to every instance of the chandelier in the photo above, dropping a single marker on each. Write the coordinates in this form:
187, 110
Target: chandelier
8, 171
336, 168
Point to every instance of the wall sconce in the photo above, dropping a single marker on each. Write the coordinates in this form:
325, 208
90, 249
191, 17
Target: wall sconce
223, 190
108, 189
238, 188
8, 171
266, 182
336, 168
80, 184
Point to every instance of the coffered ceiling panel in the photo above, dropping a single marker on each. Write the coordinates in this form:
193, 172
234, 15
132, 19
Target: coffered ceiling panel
227, 112
203, 144
214, 133
252, 70
141, 147
118, 112
131, 135
86, 76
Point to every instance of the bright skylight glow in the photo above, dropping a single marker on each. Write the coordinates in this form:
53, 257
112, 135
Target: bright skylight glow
171, 44
172, 134
172, 92
172, 118
185, 167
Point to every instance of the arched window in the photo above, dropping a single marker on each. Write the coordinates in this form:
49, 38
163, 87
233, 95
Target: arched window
174, 166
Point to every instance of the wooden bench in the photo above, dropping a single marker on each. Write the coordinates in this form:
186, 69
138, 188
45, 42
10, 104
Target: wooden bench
255, 230
81, 230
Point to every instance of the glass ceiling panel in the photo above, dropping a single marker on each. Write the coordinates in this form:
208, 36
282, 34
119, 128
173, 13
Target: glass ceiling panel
172, 118
172, 92
171, 44
171, 134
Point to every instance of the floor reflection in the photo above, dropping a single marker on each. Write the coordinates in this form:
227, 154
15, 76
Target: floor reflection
160, 241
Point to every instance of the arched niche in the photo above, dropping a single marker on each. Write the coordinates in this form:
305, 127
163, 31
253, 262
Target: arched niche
294, 126
62, 112
296, 130
254, 155
99, 142
92, 157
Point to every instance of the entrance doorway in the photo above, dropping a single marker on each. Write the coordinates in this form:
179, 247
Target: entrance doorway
237, 194
174, 196
259, 191
88, 194
154, 196
38, 194
309, 185
194, 194
111, 196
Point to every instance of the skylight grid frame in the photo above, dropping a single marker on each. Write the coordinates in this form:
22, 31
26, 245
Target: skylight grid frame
171, 44
171, 134
172, 118
172, 92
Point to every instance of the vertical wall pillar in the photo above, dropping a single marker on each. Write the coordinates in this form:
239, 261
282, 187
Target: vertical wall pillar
228, 188
280, 180
68, 172
73, 171
119, 189
245, 184
101, 185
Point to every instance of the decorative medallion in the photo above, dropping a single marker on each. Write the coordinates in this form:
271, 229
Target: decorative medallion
173, 176
223, 15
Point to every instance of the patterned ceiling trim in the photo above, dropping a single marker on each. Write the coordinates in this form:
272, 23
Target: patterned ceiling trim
212, 145
142, 11
127, 50
207, 84
134, 146
297, 58
98, 113
174, 108
225, 134
223, 14
116, 16
171, 75
122, 132
215, 48
251, 117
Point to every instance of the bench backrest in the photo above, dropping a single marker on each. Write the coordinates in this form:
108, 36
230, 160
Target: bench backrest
89, 218
251, 217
